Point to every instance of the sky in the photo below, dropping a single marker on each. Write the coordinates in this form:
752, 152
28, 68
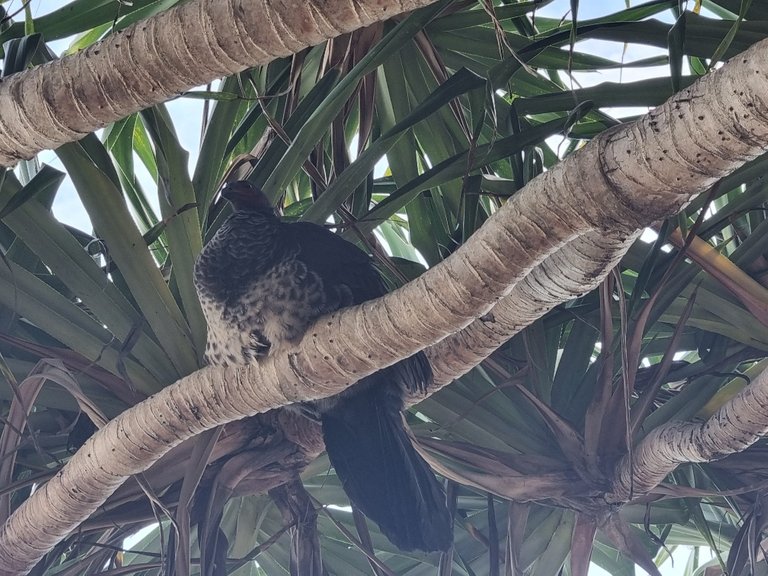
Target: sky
187, 114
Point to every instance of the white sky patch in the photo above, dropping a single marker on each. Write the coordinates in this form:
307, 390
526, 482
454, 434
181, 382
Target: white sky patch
137, 536
381, 166
649, 236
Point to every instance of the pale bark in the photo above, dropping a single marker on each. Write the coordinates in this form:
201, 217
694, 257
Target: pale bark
738, 424
155, 59
575, 269
622, 181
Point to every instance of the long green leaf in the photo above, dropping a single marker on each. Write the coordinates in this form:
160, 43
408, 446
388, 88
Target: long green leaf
40, 304
68, 260
311, 132
182, 226
355, 174
454, 168
113, 222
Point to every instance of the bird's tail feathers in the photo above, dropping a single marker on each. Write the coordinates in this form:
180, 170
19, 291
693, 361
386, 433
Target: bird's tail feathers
381, 472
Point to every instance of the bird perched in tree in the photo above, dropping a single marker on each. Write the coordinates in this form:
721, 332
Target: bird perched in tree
261, 282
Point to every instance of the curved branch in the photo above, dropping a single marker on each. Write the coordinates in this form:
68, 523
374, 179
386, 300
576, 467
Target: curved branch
623, 180
577, 268
150, 62
337, 349
737, 425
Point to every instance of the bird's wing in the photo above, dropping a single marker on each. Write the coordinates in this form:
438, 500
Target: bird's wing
340, 264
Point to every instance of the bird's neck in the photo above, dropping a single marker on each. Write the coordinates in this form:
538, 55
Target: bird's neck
245, 246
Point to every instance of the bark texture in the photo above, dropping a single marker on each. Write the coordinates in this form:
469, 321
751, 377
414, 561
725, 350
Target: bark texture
625, 179
576, 269
155, 59
737, 425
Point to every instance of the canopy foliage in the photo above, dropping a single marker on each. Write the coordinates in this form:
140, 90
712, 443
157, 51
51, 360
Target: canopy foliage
406, 136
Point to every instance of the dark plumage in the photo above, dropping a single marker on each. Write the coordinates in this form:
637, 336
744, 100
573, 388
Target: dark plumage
261, 282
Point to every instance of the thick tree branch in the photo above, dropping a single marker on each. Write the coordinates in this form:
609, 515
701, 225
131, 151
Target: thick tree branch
576, 269
737, 425
149, 62
620, 182
450, 295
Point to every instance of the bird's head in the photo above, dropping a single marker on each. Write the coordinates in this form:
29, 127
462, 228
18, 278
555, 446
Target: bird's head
244, 196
